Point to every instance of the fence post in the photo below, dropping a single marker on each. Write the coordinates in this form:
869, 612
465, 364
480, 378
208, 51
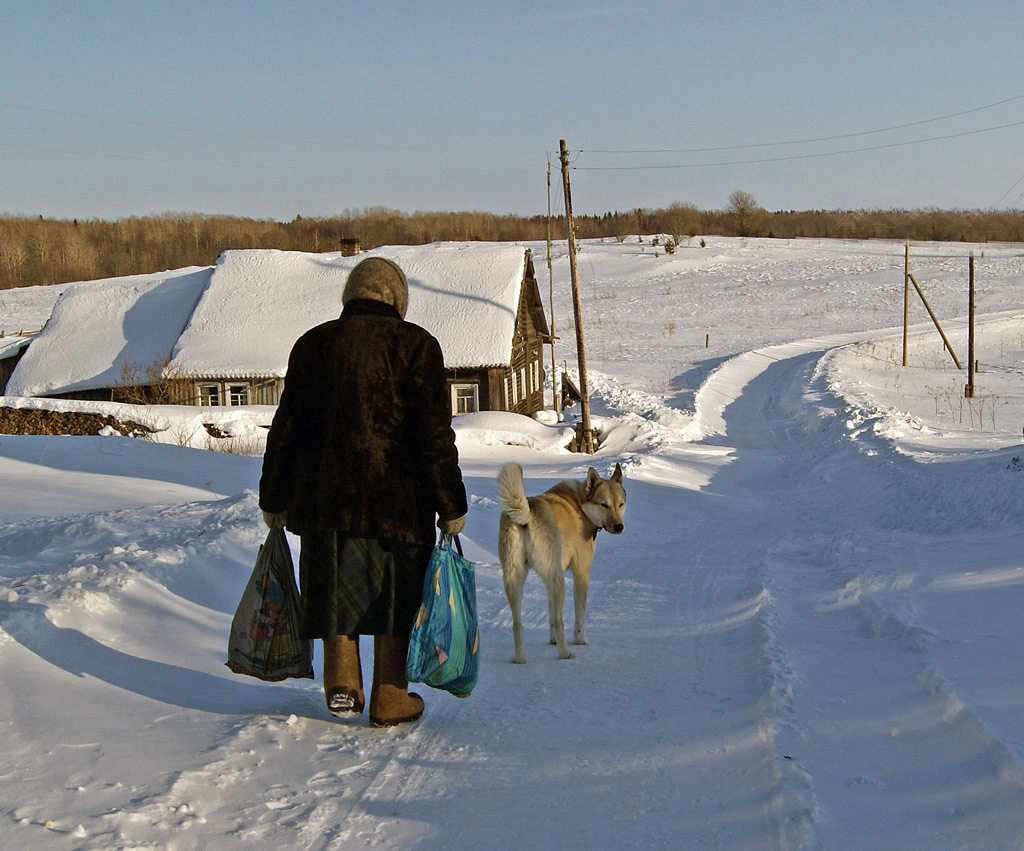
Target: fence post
969, 389
906, 298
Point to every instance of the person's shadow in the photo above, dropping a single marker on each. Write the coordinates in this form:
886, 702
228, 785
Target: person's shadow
78, 654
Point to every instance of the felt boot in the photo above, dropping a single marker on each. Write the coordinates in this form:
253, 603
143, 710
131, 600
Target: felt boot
391, 702
343, 675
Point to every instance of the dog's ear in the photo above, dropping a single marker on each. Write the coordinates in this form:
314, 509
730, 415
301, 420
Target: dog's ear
593, 480
617, 475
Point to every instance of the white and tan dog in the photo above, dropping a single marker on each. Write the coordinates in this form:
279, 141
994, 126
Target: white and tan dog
552, 533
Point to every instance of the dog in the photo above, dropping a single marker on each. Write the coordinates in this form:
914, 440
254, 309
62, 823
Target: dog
552, 533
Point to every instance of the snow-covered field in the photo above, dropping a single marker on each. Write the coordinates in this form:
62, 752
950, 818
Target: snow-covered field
808, 636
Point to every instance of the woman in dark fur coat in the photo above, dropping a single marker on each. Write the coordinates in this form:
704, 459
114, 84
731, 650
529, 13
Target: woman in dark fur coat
360, 458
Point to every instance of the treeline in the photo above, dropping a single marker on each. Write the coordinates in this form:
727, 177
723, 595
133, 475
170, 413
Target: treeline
49, 251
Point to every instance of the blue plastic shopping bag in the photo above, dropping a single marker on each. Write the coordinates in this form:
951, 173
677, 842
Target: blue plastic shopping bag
444, 646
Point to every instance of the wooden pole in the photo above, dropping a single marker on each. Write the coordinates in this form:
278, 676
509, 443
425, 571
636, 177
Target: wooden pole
587, 437
906, 299
935, 320
556, 396
969, 389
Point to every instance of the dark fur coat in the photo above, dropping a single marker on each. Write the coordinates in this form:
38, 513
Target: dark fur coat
362, 441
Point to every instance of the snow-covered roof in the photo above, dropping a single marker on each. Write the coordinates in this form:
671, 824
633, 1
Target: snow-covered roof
97, 327
10, 346
240, 317
260, 301
24, 310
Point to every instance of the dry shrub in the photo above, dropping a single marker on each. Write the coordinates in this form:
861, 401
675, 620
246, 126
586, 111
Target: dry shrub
152, 384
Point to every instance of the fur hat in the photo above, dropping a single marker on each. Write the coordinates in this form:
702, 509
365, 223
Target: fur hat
378, 279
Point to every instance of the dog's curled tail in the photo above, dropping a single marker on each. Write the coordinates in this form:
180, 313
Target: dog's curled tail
513, 495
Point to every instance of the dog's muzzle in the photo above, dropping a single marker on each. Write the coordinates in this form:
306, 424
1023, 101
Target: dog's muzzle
616, 528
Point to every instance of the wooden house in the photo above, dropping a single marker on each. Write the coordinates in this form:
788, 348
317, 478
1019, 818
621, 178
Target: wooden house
518, 384
228, 341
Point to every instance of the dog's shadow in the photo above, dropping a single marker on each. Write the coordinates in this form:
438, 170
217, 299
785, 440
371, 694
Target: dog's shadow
78, 654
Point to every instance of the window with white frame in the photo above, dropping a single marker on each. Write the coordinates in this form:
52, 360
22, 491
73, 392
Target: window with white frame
465, 398
522, 381
237, 393
209, 393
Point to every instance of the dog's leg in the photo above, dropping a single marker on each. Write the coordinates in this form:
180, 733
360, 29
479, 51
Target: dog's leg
514, 592
512, 555
580, 585
555, 582
513, 576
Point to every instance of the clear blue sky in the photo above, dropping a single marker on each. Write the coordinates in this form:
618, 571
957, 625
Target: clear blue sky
273, 109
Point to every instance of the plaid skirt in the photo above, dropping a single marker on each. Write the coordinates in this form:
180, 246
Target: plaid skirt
359, 586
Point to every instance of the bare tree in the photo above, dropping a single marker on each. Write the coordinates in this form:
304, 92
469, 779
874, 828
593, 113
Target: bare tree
680, 220
745, 213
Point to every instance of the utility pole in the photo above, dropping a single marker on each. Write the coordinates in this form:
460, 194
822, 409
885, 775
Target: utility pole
556, 395
586, 439
906, 298
969, 389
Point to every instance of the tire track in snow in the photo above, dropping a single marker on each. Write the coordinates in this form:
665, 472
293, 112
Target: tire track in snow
730, 615
773, 408
878, 703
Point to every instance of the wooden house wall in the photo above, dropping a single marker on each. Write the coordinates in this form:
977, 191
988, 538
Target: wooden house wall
7, 368
267, 392
262, 391
178, 391
98, 394
493, 384
496, 377
527, 367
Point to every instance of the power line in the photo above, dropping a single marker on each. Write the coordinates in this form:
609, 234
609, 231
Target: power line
139, 158
1008, 191
198, 163
806, 141
800, 156
219, 133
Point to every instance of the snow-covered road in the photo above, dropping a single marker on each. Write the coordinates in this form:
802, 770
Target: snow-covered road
857, 557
